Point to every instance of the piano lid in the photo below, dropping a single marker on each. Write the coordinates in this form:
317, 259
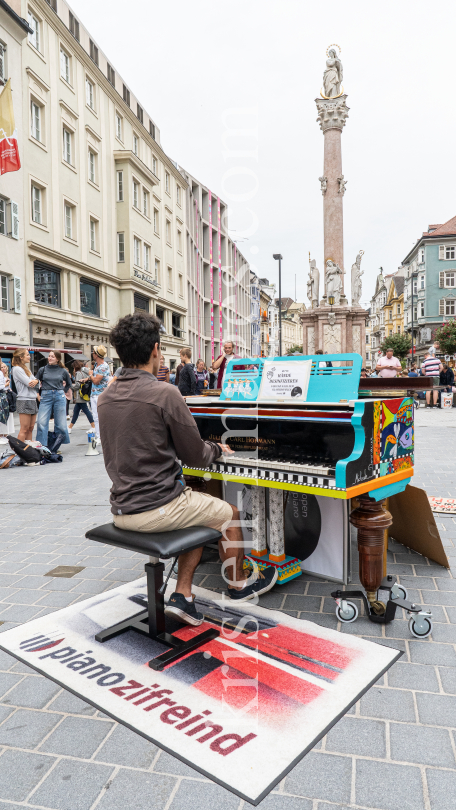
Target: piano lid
331, 378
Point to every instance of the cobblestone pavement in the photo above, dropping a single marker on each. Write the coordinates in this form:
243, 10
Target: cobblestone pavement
395, 750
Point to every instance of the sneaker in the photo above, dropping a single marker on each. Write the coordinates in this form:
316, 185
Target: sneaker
263, 582
70, 429
179, 608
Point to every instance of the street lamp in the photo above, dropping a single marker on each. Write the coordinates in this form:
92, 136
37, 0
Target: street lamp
279, 257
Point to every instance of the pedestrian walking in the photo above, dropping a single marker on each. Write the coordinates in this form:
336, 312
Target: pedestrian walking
187, 378
431, 367
202, 376
80, 404
99, 378
55, 382
27, 393
388, 365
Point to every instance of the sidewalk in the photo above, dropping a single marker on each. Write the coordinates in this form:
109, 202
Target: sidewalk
394, 751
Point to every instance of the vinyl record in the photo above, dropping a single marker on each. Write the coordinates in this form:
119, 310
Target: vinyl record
302, 525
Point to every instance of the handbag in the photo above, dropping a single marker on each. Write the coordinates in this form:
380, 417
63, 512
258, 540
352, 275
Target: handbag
86, 390
29, 454
11, 397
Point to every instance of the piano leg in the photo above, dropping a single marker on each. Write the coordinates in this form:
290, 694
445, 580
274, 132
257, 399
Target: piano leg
259, 541
288, 567
371, 519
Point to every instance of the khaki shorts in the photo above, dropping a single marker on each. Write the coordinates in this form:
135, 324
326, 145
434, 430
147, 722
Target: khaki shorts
189, 509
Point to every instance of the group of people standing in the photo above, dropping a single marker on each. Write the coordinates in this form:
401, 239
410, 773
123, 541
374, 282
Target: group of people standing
193, 379
390, 366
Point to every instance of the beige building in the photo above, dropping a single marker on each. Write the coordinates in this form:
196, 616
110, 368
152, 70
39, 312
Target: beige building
104, 215
13, 305
291, 323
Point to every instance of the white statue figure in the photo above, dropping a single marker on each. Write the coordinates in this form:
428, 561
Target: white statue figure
313, 284
333, 277
342, 184
323, 184
356, 283
333, 75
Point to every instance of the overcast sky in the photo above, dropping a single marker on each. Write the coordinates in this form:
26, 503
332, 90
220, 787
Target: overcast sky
189, 63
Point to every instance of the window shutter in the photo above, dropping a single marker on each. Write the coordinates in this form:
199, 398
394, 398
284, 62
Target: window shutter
441, 278
441, 251
2, 63
14, 221
17, 295
442, 306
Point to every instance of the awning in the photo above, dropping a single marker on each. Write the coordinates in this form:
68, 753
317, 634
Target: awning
76, 355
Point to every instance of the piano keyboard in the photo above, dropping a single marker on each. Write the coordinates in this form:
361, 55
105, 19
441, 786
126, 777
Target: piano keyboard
254, 469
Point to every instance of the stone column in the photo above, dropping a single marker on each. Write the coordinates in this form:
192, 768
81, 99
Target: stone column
332, 114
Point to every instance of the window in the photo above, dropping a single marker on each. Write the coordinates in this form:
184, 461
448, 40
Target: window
92, 161
119, 127
35, 121
367, 339
178, 195
126, 95
181, 285
152, 129
391, 314
170, 278
154, 164
135, 194
421, 256
450, 252
120, 192
135, 145
140, 303
421, 309
179, 240
47, 285
398, 329
89, 94
146, 258
398, 309
68, 217
74, 26
136, 251
447, 306
64, 65
421, 282
67, 146
93, 52
139, 113
111, 73
35, 34
157, 270
3, 217
415, 313
89, 295
145, 202
167, 182
37, 213
168, 231
52, 4
93, 227
120, 247
156, 221
415, 286
447, 278
3, 292
176, 324
160, 313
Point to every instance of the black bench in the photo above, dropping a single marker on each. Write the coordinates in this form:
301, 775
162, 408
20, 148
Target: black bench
151, 622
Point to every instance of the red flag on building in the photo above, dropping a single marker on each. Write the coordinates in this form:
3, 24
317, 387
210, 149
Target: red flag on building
9, 152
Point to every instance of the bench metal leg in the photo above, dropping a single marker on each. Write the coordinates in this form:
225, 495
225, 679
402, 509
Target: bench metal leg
151, 623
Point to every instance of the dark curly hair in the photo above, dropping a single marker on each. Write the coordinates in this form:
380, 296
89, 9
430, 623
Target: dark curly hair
134, 338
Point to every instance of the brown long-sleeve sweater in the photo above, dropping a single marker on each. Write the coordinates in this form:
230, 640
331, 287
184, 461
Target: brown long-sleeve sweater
145, 428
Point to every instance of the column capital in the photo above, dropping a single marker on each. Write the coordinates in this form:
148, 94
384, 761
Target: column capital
332, 112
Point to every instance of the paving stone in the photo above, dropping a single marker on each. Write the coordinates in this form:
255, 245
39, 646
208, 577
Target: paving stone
57, 599
24, 597
26, 729
439, 597
307, 603
171, 765
444, 632
321, 776
89, 586
442, 789
445, 584
362, 627
322, 619
58, 584
272, 600
6, 661
424, 582
77, 737
297, 586
28, 582
32, 693
275, 801
448, 678
24, 669
150, 791
422, 745
203, 795
357, 736
68, 703
124, 747
438, 570
19, 613
74, 785
437, 710
413, 676
427, 652
387, 786
391, 704
8, 681
20, 772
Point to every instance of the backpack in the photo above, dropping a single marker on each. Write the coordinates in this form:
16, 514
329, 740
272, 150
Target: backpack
12, 383
29, 454
85, 390
11, 397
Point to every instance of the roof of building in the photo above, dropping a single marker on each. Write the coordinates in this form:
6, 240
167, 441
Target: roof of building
286, 302
264, 281
399, 284
447, 229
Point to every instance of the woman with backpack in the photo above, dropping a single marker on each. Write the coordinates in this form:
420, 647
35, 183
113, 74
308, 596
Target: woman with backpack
26, 386
55, 382
81, 399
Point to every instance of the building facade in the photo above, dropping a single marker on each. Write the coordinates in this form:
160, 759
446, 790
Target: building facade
255, 316
291, 323
269, 319
394, 307
430, 285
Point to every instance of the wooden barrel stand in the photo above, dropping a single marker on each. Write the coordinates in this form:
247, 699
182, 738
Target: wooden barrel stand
371, 519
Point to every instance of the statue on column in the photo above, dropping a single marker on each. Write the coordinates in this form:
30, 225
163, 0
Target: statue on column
313, 284
333, 75
356, 283
333, 278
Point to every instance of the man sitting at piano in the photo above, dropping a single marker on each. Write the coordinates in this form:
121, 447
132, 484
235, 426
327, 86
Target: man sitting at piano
147, 431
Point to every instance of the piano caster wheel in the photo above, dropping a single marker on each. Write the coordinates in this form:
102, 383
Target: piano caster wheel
346, 611
420, 626
378, 608
399, 592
